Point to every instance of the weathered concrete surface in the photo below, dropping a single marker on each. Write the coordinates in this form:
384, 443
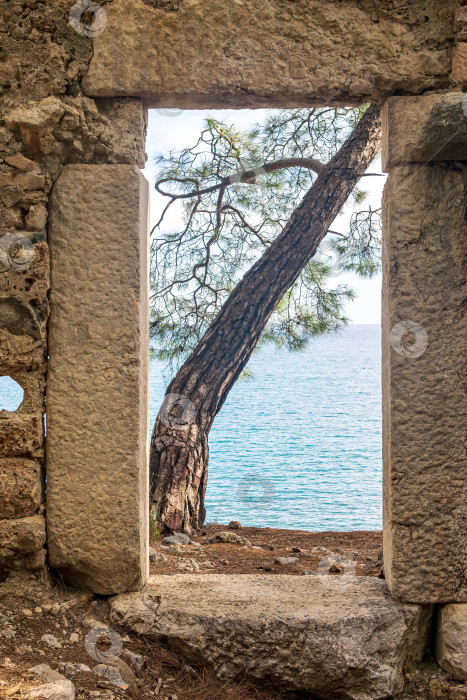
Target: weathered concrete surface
21, 487
427, 128
451, 639
97, 403
424, 384
293, 632
212, 53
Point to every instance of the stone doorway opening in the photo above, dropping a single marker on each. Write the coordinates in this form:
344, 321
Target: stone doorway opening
248, 458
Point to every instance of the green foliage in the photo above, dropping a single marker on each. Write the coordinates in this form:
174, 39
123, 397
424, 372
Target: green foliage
228, 227
154, 530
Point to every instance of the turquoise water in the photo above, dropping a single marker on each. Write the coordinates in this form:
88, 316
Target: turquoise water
299, 446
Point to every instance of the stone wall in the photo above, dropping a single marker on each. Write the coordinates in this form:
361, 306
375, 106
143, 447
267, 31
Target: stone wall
75, 94
46, 122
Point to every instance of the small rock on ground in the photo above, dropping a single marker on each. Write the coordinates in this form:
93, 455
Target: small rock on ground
178, 538
59, 690
285, 561
228, 538
51, 641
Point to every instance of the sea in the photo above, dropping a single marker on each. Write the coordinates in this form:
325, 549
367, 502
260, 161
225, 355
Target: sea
299, 444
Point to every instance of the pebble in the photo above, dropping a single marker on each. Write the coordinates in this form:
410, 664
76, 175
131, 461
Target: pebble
23, 649
224, 561
38, 610
111, 674
320, 550
188, 565
27, 612
175, 550
178, 538
158, 557
74, 638
136, 661
307, 572
7, 633
297, 549
71, 669
235, 525
51, 641
267, 546
59, 690
228, 538
285, 561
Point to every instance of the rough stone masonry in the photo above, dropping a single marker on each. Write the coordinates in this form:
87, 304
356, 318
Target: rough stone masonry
68, 99
72, 106
46, 121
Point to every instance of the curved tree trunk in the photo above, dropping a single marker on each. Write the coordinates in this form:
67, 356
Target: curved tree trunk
179, 444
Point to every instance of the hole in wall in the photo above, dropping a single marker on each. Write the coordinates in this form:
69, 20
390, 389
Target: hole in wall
11, 394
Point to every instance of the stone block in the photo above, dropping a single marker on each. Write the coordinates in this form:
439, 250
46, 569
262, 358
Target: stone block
451, 639
424, 390
20, 435
22, 536
21, 487
429, 128
97, 387
24, 285
459, 63
275, 54
348, 642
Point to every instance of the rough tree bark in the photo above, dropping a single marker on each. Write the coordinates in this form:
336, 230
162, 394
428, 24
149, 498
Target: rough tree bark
179, 443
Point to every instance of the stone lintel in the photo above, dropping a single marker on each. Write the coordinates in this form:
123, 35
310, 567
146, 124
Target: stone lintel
208, 53
97, 391
424, 392
429, 128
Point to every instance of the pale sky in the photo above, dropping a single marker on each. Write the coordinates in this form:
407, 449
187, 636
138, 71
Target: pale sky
173, 128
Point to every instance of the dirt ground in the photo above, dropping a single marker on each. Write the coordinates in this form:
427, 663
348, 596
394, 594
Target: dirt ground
364, 548
31, 607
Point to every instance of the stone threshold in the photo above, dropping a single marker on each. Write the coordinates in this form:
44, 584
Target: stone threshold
344, 637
